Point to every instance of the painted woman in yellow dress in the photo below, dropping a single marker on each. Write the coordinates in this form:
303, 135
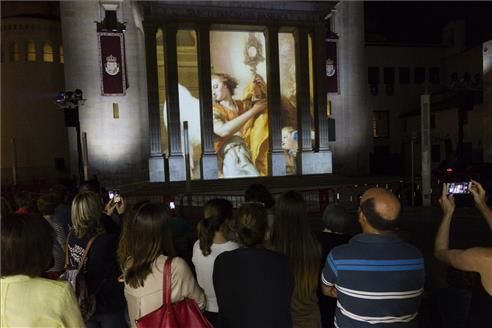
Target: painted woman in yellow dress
229, 118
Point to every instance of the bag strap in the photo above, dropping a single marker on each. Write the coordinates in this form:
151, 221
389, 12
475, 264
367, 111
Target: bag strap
66, 249
86, 251
166, 293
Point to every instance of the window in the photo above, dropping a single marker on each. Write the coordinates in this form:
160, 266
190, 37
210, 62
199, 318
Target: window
404, 73
389, 75
373, 79
373, 75
389, 80
380, 124
62, 56
47, 52
14, 53
434, 75
419, 75
31, 51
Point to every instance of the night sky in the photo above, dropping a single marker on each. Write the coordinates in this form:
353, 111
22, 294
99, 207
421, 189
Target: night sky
421, 22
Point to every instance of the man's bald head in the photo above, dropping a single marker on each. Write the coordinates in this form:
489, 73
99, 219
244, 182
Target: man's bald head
381, 208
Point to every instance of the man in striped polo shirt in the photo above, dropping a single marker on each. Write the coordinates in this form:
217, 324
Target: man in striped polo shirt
377, 278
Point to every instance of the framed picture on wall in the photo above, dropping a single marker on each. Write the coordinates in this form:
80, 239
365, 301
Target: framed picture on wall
331, 66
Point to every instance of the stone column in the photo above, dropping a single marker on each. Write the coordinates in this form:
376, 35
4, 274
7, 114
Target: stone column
209, 157
277, 157
176, 157
156, 159
350, 110
302, 82
118, 146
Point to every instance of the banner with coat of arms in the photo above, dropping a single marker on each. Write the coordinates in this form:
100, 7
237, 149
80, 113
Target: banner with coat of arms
331, 66
112, 63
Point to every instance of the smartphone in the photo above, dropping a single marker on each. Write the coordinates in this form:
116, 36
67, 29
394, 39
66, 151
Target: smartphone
114, 195
171, 205
117, 197
459, 187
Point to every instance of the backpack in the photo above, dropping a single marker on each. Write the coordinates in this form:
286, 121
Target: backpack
76, 277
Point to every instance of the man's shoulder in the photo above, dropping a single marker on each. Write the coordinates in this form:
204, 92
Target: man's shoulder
364, 244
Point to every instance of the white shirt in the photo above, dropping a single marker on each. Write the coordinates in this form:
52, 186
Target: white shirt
204, 266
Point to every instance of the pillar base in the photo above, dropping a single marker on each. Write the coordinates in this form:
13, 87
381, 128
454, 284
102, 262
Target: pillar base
316, 163
177, 167
156, 169
278, 164
209, 167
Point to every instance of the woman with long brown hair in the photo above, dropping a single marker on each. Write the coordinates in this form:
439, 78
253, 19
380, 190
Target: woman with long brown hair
144, 247
212, 241
293, 237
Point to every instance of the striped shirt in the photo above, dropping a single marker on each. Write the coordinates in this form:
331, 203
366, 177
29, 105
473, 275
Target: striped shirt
379, 281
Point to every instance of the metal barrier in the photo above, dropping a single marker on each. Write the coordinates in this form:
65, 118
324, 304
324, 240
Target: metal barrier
316, 199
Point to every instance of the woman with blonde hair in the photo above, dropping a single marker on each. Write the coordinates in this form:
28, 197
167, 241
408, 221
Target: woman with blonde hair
293, 237
144, 247
212, 242
100, 268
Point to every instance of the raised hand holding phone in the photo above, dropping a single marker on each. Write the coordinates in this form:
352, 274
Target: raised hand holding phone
447, 201
478, 193
120, 205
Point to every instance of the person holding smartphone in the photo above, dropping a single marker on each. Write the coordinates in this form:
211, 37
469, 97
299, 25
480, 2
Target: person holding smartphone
475, 259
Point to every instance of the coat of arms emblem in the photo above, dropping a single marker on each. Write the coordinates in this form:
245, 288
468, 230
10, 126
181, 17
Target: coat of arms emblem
111, 66
330, 67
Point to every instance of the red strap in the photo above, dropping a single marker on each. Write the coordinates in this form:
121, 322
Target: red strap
166, 293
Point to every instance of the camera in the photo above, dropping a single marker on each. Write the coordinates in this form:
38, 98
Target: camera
459, 187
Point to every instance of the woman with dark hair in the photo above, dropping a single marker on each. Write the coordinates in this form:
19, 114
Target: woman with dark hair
27, 299
292, 236
144, 247
253, 285
211, 243
257, 192
101, 267
340, 224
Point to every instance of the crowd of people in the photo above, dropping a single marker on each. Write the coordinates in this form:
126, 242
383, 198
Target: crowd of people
260, 265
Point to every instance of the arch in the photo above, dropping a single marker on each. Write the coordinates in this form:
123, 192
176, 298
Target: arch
31, 55
48, 55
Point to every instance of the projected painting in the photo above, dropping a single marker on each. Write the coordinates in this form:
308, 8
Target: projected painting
240, 111
240, 104
287, 70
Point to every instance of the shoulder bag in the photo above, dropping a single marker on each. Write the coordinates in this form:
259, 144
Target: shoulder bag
182, 314
76, 278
